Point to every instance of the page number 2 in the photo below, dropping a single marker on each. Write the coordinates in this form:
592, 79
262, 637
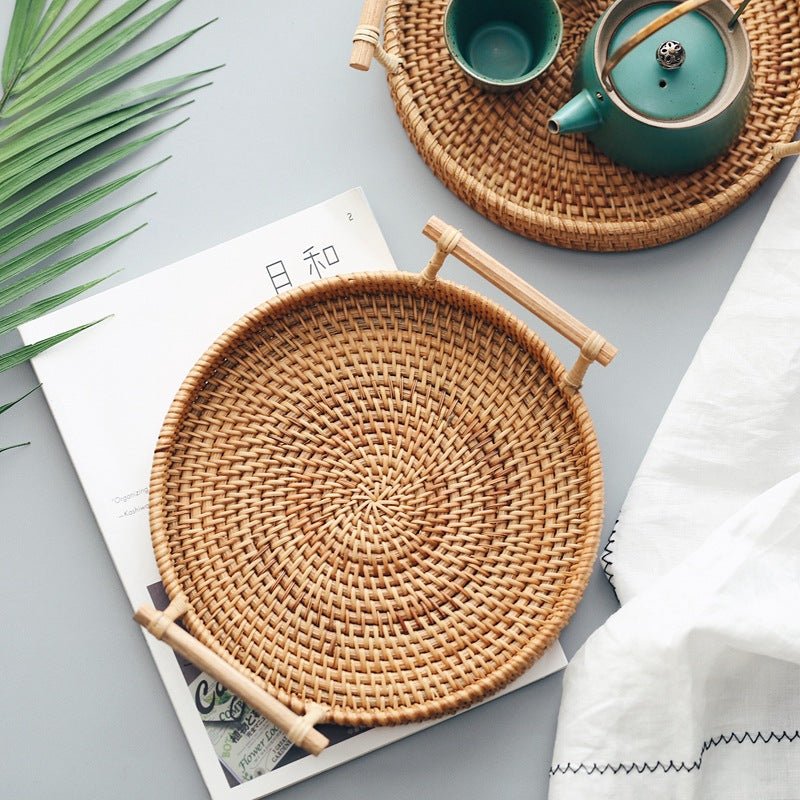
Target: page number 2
349, 217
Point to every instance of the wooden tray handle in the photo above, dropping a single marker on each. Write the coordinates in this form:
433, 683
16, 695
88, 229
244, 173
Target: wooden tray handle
299, 730
784, 149
593, 347
648, 30
367, 37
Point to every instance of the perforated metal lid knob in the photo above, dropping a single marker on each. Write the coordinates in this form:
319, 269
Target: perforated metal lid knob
671, 55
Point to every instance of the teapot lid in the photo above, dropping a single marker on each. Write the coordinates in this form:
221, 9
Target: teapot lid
676, 72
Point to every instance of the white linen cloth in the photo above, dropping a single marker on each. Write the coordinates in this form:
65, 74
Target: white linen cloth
733, 428
692, 690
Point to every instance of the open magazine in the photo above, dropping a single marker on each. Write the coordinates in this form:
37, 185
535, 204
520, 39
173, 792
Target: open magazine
109, 389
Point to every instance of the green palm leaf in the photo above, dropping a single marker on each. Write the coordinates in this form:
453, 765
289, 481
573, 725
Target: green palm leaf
6, 406
97, 30
22, 354
30, 123
39, 278
16, 38
19, 234
77, 62
61, 125
36, 310
71, 21
60, 132
35, 8
97, 81
41, 252
62, 182
39, 162
13, 446
48, 20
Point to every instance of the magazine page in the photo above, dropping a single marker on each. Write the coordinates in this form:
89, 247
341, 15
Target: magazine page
109, 389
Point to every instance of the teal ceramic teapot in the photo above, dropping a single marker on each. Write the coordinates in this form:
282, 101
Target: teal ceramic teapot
663, 88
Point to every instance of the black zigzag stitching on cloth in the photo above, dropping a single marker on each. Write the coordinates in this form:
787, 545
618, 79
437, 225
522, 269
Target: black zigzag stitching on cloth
671, 766
605, 559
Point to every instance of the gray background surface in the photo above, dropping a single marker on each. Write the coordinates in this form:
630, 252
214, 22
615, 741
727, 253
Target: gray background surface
286, 125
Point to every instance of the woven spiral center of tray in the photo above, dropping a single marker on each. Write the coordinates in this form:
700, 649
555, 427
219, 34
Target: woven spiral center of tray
378, 500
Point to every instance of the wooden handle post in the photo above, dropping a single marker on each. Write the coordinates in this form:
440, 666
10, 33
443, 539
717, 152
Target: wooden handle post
449, 240
299, 729
371, 16
783, 149
647, 31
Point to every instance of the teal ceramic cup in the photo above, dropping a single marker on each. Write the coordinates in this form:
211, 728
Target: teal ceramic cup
503, 45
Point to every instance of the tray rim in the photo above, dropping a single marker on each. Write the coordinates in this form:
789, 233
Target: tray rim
571, 592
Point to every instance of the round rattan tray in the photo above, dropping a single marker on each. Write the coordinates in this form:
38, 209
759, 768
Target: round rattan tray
496, 154
377, 498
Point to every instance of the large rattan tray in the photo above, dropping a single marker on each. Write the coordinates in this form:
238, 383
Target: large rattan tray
496, 154
378, 498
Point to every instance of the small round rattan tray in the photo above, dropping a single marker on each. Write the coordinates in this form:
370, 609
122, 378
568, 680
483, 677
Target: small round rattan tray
496, 154
378, 498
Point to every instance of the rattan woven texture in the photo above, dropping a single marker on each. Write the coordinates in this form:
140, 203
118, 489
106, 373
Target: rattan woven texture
496, 154
375, 495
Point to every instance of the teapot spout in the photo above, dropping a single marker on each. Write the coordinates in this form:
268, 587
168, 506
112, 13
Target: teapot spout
580, 114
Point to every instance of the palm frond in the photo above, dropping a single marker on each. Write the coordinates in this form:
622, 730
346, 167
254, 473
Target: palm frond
63, 122
35, 310
93, 83
44, 140
13, 446
96, 31
6, 406
19, 234
25, 286
63, 181
25, 353
71, 21
39, 253
48, 20
28, 167
16, 39
35, 8
31, 121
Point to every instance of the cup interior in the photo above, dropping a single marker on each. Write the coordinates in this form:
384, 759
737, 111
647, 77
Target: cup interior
503, 42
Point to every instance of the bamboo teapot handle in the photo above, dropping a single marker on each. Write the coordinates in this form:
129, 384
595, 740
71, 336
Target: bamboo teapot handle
647, 31
593, 347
